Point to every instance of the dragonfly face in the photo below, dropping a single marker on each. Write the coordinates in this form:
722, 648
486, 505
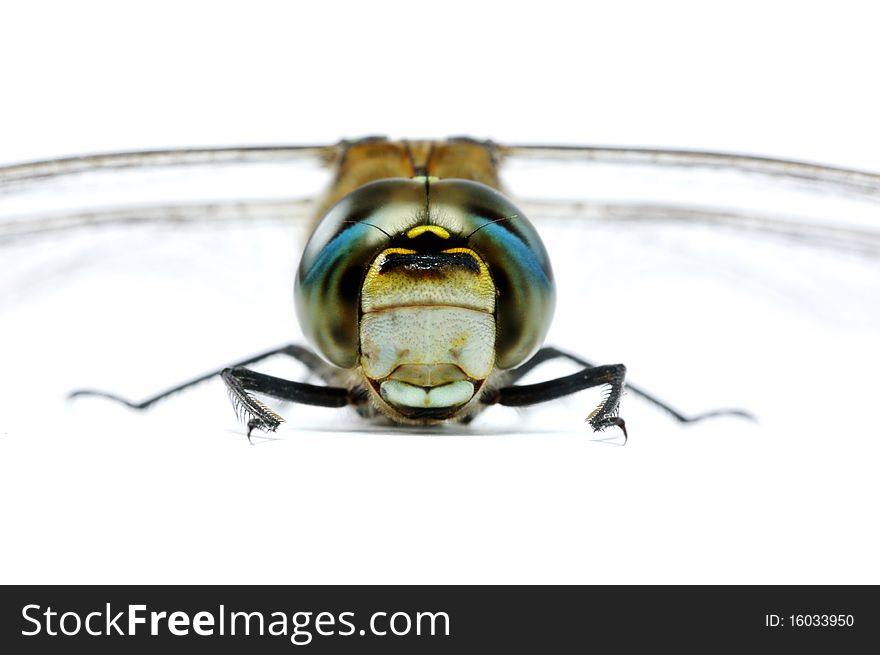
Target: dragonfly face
425, 286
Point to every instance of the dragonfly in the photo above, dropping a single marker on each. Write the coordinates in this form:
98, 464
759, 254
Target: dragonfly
425, 291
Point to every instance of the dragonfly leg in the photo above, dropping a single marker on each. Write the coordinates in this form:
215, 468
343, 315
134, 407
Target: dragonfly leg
605, 415
301, 354
549, 353
241, 381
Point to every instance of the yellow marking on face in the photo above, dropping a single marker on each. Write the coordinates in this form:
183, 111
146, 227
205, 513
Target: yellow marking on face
433, 229
388, 251
453, 287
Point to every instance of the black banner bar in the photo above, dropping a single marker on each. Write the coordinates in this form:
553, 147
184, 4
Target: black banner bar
444, 619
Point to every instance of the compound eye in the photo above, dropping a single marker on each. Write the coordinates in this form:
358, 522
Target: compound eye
337, 256
518, 262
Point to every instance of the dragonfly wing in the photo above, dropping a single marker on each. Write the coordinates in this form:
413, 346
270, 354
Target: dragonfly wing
78, 218
719, 280
835, 178
169, 187
127, 273
826, 206
827, 234
21, 174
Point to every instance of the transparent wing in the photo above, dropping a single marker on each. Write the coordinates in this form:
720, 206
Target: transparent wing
718, 279
109, 261
28, 172
60, 218
824, 205
162, 186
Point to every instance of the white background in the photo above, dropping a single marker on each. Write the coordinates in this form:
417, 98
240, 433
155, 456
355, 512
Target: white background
94, 493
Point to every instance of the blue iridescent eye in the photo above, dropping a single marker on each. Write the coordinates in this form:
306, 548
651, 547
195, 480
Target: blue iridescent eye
333, 266
500, 233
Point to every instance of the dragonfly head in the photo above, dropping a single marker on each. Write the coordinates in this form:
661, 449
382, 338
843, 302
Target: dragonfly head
426, 286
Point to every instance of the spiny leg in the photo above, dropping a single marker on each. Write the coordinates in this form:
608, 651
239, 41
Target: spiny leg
241, 381
605, 415
303, 355
549, 353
